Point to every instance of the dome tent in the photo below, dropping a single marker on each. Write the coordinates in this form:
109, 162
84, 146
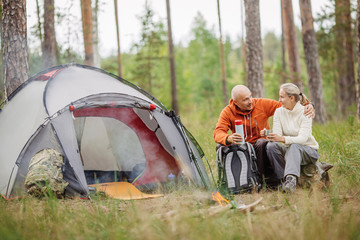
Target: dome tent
105, 127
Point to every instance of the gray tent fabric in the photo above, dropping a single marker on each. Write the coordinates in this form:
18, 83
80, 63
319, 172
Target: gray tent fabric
68, 141
43, 138
106, 129
15, 131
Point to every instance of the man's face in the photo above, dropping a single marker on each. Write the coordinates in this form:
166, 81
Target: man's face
244, 102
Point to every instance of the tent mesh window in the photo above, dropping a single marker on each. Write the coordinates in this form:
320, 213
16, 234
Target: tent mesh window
116, 145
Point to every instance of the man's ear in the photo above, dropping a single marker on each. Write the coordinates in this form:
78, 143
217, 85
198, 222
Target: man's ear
235, 102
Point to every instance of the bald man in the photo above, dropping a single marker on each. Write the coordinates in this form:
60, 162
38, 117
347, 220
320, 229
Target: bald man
254, 112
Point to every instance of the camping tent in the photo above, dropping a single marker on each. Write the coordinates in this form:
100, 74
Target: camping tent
106, 128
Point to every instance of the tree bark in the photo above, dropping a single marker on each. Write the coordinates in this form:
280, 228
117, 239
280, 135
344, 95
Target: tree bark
1, 61
97, 62
283, 45
39, 28
344, 52
49, 45
86, 12
222, 59
312, 60
291, 42
174, 98
243, 45
14, 40
254, 58
119, 62
358, 58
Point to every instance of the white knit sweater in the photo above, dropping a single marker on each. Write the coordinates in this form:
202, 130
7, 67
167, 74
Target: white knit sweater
294, 126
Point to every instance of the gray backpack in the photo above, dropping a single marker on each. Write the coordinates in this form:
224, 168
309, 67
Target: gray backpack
237, 168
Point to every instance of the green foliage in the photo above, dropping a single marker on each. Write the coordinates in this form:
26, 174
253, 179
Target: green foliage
327, 46
271, 48
198, 70
327, 53
67, 55
63, 57
149, 54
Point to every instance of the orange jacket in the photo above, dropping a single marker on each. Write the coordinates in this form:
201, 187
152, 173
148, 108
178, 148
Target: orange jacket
254, 120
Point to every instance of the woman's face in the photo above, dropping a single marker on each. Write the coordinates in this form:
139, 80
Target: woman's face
286, 101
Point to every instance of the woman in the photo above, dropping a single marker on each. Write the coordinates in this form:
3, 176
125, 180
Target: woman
292, 143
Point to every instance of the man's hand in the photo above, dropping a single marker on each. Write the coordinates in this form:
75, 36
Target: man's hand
309, 111
234, 138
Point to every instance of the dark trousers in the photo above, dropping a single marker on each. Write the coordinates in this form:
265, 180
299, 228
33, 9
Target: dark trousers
266, 171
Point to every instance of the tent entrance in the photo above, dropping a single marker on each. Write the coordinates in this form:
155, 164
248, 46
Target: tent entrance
116, 145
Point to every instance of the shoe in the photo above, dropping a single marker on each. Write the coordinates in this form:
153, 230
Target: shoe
289, 185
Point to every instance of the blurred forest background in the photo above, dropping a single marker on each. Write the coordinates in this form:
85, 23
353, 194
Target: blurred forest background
196, 79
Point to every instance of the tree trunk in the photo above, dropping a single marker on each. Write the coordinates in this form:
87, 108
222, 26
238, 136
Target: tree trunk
358, 58
222, 59
49, 45
39, 28
283, 45
97, 62
86, 12
174, 99
1, 62
312, 60
344, 52
291, 42
243, 45
254, 59
118, 39
14, 40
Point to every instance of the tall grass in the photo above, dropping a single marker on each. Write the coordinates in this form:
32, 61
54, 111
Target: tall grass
186, 213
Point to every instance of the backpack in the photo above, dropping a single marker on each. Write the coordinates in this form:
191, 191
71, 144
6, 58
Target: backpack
238, 170
45, 174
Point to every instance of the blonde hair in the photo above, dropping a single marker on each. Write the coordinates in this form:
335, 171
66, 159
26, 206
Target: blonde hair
292, 90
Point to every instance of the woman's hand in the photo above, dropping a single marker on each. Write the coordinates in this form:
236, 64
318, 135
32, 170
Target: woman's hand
262, 132
276, 138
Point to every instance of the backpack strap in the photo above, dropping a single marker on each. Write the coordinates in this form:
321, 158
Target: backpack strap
220, 152
253, 157
251, 150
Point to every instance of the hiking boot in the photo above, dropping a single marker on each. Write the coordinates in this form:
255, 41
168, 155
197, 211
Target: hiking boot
289, 185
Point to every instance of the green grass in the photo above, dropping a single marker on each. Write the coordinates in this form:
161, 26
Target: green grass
187, 213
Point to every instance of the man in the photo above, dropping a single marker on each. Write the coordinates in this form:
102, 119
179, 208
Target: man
254, 113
